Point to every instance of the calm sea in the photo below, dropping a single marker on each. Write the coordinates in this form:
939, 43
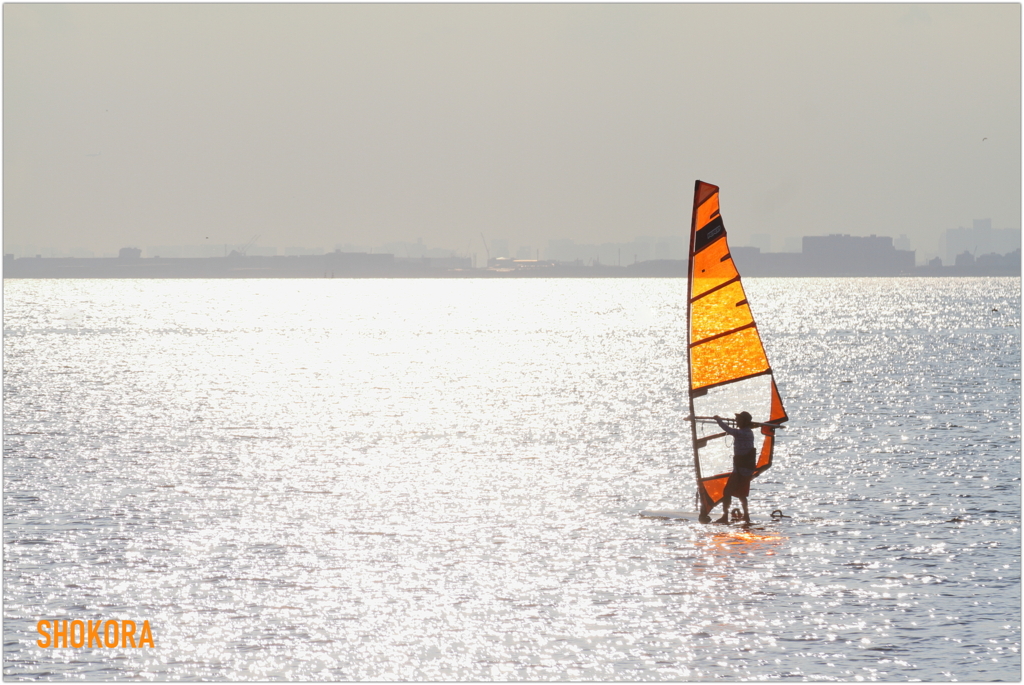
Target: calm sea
441, 480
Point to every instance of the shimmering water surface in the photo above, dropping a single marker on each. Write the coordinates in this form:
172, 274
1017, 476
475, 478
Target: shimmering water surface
441, 480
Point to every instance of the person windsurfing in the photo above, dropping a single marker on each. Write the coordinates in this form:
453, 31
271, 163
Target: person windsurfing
744, 461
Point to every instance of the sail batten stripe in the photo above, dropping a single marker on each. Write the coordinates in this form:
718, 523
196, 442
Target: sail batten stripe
723, 334
702, 442
702, 390
716, 288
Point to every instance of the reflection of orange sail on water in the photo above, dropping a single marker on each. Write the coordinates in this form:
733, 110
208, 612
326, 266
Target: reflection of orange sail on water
741, 540
729, 370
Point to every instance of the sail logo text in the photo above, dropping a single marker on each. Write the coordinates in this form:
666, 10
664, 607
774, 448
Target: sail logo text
78, 633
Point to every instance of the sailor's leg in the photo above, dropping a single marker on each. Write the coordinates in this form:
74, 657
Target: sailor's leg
746, 514
725, 509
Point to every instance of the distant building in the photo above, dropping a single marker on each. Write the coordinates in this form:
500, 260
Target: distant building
499, 247
451, 262
965, 258
187, 250
507, 264
417, 250
754, 263
846, 255
129, 253
642, 249
792, 244
980, 239
1009, 262
561, 250
762, 241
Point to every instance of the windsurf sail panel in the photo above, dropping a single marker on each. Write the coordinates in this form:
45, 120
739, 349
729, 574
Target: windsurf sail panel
729, 369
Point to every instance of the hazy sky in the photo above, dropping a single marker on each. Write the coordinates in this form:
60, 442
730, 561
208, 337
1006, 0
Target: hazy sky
319, 124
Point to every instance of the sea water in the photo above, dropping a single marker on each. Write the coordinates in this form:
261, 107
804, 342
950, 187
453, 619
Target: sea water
442, 479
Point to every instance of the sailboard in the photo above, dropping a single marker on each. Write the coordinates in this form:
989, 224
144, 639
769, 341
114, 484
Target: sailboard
728, 367
669, 514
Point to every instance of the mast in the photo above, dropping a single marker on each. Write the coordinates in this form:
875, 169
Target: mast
689, 362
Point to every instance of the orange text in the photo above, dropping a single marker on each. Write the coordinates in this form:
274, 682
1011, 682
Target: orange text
78, 633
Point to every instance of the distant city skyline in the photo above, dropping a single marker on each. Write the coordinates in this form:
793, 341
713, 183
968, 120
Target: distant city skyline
978, 239
832, 256
320, 124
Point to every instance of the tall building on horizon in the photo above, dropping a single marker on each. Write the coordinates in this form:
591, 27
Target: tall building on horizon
981, 239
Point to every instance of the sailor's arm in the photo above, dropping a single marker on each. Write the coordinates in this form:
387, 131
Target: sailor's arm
728, 429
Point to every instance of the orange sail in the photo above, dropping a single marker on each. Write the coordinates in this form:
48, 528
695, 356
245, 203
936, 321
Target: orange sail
729, 370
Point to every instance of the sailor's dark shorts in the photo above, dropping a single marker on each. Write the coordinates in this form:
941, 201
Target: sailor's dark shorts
739, 483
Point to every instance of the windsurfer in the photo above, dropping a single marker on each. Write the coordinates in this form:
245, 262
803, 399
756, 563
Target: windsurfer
744, 461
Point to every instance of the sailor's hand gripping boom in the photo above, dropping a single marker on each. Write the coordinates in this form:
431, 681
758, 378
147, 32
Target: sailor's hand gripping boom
711, 419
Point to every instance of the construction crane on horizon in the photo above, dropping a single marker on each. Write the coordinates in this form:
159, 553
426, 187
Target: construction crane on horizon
249, 244
485, 248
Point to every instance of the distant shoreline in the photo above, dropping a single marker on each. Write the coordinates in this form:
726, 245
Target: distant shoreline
363, 265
